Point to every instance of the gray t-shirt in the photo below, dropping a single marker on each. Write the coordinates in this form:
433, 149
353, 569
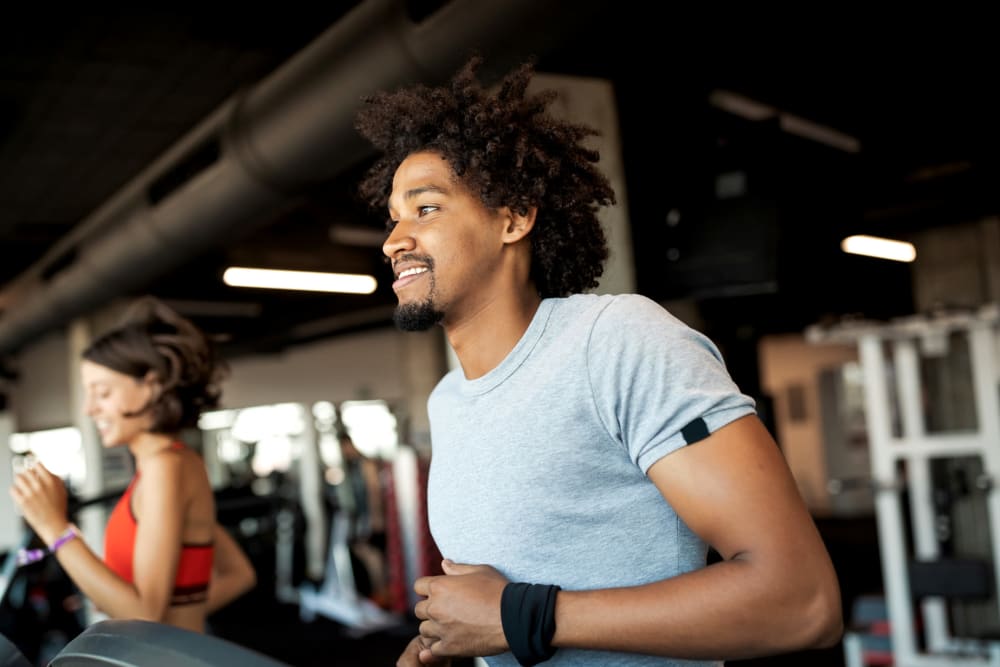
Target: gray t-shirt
538, 467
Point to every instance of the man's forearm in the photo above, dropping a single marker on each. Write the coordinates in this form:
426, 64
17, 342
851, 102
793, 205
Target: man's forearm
724, 611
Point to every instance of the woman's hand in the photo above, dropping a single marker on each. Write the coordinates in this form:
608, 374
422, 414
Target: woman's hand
41, 497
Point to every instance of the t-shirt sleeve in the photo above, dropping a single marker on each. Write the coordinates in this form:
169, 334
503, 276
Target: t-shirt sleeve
658, 384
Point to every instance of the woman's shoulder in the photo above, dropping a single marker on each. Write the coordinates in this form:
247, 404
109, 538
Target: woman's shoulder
177, 475
175, 462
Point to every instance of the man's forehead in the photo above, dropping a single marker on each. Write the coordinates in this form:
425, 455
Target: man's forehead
424, 166
423, 172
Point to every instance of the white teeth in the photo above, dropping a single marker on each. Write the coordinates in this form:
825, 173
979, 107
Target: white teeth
412, 272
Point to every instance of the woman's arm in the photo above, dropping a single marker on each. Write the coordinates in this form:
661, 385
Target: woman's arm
42, 499
232, 572
158, 538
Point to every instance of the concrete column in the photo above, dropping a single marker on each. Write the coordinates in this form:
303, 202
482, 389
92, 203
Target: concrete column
592, 102
311, 495
10, 522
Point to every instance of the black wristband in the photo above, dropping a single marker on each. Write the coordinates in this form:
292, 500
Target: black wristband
528, 615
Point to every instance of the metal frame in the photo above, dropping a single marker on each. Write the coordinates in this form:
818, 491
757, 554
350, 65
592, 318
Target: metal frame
916, 447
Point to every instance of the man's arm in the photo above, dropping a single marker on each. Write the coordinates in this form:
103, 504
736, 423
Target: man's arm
775, 590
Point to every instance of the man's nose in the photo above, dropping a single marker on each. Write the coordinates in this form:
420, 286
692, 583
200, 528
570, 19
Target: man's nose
399, 240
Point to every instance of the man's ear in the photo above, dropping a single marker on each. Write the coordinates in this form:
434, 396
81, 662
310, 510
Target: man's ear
517, 225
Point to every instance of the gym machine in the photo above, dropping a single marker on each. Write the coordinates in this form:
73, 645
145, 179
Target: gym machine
932, 413
117, 643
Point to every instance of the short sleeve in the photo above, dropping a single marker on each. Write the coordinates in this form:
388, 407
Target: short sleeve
658, 384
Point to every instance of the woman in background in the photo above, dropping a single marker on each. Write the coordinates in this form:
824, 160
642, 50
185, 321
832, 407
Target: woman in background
166, 559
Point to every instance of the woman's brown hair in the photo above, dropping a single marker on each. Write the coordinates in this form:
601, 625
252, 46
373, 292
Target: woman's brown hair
155, 339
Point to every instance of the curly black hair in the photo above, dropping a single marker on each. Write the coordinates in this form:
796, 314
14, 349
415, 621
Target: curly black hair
154, 338
504, 146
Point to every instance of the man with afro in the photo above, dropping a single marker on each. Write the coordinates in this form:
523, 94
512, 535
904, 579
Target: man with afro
590, 448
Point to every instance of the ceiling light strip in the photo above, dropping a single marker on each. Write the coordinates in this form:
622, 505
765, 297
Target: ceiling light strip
309, 281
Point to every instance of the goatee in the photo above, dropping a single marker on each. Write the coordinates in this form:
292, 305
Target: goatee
416, 316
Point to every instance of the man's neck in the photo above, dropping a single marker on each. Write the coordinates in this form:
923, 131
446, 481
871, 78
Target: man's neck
482, 340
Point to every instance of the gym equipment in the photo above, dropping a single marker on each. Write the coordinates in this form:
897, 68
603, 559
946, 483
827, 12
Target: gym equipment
337, 596
9, 568
136, 643
43, 629
10, 654
933, 427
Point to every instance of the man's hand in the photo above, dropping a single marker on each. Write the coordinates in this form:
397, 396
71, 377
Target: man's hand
461, 613
417, 654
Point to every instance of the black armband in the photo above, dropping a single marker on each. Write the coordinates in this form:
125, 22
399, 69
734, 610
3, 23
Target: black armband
528, 615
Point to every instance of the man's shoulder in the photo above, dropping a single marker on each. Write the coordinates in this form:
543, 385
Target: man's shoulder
622, 299
619, 306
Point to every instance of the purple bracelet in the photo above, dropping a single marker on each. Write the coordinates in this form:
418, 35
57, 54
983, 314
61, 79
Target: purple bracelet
26, 556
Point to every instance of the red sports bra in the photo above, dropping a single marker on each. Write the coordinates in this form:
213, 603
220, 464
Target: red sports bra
193, 571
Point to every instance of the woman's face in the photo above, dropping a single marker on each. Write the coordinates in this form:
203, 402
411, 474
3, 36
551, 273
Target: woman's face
109, 396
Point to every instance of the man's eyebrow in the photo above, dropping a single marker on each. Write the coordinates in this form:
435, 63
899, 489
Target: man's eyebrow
413, 192
419, 190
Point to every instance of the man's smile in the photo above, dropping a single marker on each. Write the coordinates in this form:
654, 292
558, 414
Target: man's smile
408, 275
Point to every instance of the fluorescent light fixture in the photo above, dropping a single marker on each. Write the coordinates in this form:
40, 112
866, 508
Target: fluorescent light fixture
740, 105
821, 133
310, 281
873, 246
754, 110
938, 171
365, 237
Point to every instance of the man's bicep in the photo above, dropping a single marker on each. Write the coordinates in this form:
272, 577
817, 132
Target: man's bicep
733, 489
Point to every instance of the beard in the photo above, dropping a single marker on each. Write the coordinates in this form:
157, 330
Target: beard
417, 316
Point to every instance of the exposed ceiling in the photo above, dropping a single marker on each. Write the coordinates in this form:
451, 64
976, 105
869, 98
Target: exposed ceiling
89, 100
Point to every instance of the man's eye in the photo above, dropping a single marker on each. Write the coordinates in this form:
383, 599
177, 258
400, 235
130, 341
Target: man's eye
390, 224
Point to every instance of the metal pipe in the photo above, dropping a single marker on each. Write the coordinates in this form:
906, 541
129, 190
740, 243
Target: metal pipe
291, 130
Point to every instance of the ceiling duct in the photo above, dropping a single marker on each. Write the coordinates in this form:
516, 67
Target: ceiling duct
293, 129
